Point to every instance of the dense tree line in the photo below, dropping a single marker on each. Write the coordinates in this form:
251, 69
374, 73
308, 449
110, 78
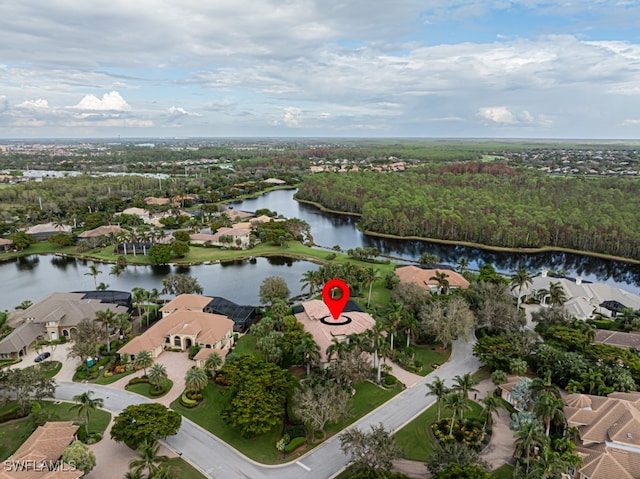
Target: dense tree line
494, 206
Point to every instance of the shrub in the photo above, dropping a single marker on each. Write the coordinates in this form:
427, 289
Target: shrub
133, 381
119, 369
330, 256
107, 374
295, 443
186, 402
417, 363
295, 430
193, 350
389, 380
12, 413
156, 392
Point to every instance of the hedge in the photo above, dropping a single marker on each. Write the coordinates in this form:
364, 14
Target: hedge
186, 402
12, 413
295, 443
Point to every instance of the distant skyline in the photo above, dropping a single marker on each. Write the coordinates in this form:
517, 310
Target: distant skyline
310, 68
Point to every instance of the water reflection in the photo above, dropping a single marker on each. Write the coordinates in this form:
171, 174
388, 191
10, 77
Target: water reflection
330, 229
27, 263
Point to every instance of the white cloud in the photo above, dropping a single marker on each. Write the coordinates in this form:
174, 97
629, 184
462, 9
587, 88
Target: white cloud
110, 102
497, 114
292, 116
39, 103
4, 103
179, 111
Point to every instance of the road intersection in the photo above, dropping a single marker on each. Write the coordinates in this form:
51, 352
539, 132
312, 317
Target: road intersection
218, 460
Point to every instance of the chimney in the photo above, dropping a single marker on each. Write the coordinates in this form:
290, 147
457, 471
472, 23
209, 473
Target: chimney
579, 280
543, 273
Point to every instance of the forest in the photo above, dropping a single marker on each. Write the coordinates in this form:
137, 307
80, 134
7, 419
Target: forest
490, 204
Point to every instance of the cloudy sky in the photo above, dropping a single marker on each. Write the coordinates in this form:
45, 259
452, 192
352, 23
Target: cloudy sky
332, 68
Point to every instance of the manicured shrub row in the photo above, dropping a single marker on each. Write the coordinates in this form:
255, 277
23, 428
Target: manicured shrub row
186, 402
295, 443
138, 380
295, 430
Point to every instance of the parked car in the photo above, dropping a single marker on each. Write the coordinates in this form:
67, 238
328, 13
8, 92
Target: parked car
42, 356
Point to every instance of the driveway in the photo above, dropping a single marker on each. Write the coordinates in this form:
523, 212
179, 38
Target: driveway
220, 461
58, 353
177, 365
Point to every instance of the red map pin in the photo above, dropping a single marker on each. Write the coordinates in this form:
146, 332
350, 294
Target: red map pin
335, 305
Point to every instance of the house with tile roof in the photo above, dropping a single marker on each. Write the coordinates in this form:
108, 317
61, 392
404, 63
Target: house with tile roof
39, 456
184, 324
423, 277
51, 318
317, 321
584, 299
105, 231
42, 231
6, 244
609, 434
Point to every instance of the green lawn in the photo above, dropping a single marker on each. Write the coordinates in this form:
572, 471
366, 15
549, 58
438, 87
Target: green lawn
430, 354
50, 368
183, 469
247, 345
368, 397
481, 374
503, 472
144, 388
14, 433
416, 439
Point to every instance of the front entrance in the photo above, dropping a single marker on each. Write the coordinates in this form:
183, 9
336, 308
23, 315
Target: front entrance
188, 343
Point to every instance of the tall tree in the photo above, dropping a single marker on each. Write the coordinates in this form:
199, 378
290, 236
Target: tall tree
143, 360
437, 388
157, 374
85, 406
370, 450
213, 362
144, 422
180, 284
321, 403
274, 288
94, 271
106, 317
310, 352
195, 379
149, 459
465, 384
458, 403
520, 280
441, 278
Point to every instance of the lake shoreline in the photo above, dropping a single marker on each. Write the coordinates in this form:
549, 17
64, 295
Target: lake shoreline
470, 244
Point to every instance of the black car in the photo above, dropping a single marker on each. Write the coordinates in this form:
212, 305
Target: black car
42, 356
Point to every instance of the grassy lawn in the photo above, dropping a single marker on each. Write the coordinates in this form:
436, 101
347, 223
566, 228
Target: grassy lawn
430, 354
416, 439
481, 374
144, 388
368, 397
111, 379
50, 368
247, 345
503, 472
14, 433
183, 469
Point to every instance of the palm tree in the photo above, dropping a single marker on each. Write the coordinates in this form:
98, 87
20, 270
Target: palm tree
548, 409
458, 403
133, 475
85, 406
143, 360
310, 279
337, 347
491, 405
123, 322
438, 389
463, 264
443, 283
94, 271
393, 320
520, 280
138, 297
465, 384
116, 270
106, 317
557, 296
592, 380
310, 352
541, 386
195, 379
149, 459
528, 438
157, 375
551, 464
411, 327
163, 473
369, 276
213, 362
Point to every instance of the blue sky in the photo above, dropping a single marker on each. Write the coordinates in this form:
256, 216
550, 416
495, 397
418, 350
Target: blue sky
320, 68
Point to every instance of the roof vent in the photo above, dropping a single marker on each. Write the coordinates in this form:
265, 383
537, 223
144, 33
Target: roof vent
629, 436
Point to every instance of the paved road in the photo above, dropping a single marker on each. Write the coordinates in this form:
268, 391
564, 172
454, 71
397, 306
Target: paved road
218, 460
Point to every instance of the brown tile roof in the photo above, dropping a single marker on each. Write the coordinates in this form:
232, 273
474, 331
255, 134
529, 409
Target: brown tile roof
422, 277
322, 333
101, 231
609, 429
204, 353
202, 237
206, 327
187, 301
233, 214
235, 232
46, 444
5, 242
152, 200
48, 228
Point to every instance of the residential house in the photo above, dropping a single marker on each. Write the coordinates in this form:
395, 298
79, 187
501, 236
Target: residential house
584, 299
317, 320
609, 434
506, 389
182, 329
6, 245
189, 302
42, 231
102, 232
152, 200
51, 318
424, 277
231, 237
41, 452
